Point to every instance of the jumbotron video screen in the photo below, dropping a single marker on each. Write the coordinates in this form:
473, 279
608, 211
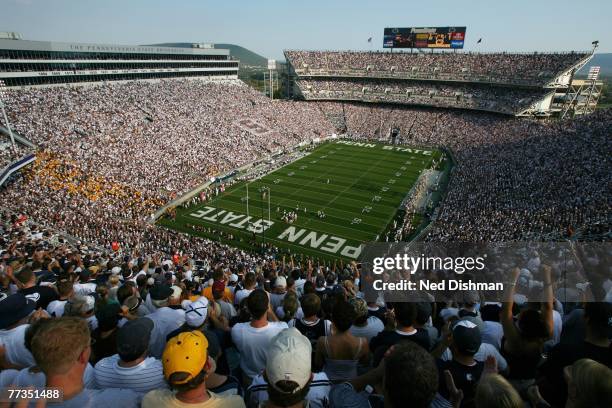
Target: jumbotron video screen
424, 37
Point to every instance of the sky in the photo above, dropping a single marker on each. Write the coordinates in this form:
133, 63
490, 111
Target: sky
269, 26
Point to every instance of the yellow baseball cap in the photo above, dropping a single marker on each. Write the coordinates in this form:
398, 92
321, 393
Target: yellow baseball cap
185, 353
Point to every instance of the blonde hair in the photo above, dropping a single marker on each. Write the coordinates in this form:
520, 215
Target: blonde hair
591, 382
57, 344
290, 306
493, 390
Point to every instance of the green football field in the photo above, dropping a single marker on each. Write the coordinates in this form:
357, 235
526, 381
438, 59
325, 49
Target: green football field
358, 186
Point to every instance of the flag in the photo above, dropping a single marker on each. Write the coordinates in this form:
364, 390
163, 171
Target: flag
370, 39
479, 41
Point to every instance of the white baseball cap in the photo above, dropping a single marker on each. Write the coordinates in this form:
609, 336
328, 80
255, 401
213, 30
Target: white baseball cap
196, 311
280, 282
289, 358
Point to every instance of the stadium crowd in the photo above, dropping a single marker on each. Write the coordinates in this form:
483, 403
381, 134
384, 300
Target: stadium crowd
10, 153
123, 313
110, 155
150, 330
502, 100
527, 69
514, 179
144, 126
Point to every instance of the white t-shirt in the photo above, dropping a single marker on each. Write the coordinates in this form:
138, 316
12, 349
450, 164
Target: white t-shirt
165, 321
83, 289
241, 294
142, 378
373, 326
227, 309
276, 299
318, 394
299, 286
56, 308
253, 344
492, 333
26, 378
13, 341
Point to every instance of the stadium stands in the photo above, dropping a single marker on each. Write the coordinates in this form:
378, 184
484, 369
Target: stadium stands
526, 69
514, 84
138, 315
443, 95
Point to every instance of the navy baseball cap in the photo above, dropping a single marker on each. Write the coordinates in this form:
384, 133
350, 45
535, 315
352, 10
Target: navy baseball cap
466, 337
14, 308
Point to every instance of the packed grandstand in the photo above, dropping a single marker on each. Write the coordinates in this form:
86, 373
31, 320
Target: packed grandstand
513, 84
114, 309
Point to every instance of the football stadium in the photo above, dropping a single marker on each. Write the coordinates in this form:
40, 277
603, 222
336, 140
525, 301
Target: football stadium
323, 204
421, 221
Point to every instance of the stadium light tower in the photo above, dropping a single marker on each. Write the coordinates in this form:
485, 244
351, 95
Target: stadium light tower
8, 126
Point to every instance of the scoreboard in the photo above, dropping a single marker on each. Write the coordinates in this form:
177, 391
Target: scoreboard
424, 37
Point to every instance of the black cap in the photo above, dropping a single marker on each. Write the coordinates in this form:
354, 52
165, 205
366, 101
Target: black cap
133, 338
14, 308
108, 316
160, 292
84, 275
466, 337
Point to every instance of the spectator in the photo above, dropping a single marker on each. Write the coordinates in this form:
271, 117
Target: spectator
364, 326
105, 335
279, 292
311, 325
493, 390
131, 367
290, 308
249, 286
165, 319
524, 342
15, 311
408, 376
218, 292
185, 366
405, 316
61, 349
33, 376
493, 331
252, 339
589, 384
288, 374
465, 370
196, 313
65, 289
42, 295
595, 346
83, 307
339, 353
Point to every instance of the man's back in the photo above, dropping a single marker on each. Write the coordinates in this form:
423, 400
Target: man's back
165, 320
42, 295
252, 343
167, 398
143, 377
